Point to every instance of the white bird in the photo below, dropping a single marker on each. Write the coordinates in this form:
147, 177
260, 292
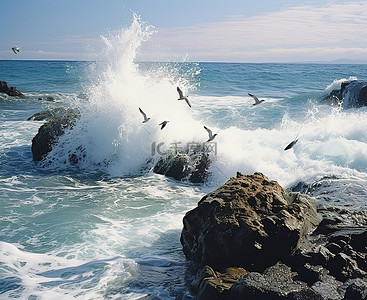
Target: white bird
211, 136
144, 115
15, 49
182, 97
257, 101
164, 123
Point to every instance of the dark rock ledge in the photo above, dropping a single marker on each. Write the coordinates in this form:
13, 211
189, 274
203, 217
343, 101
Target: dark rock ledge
9, 90
252, 239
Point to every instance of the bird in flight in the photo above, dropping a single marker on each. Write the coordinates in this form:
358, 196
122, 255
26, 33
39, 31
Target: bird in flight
257, 101
182, 97
144, 115
15, 49
290, 145
164, 123
211, 136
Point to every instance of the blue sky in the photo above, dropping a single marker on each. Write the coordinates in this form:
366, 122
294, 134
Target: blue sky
232, 30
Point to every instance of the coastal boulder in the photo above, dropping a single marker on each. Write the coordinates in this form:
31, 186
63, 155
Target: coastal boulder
351, 94
9, 90
49, 133
192, 167
249, 222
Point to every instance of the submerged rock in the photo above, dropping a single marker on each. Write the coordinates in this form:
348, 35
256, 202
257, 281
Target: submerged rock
351, 94
250, 222
47, 98
49, 133
10, 91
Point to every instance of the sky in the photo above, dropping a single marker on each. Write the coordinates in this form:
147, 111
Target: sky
224, 31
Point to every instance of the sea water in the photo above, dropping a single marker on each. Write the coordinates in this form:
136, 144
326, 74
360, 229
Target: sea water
108, 227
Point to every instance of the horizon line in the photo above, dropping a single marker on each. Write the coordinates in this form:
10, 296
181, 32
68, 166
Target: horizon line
335, 61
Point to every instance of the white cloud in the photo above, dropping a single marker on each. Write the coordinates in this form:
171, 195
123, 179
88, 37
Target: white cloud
323, 32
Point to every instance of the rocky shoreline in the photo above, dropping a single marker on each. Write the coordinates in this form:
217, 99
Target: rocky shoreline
252, 239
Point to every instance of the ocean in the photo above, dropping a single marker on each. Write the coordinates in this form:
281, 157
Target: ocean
108, 227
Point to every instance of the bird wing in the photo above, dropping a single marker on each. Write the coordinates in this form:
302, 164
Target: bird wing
179, 92
255, 98
14, 50
209, 131
143, 113
291, 144
187, 101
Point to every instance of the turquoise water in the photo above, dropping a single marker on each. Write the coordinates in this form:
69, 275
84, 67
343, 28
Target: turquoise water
103, 229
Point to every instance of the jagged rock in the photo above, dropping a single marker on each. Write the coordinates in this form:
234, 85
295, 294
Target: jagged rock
275, 283
10, 91
51, 113
49, 133
250, 222
356, 289
209, 284
326, 290
351, 94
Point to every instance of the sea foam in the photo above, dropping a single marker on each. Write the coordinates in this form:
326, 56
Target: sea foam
111, 137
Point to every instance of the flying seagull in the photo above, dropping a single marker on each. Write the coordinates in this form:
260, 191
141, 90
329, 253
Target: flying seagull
164, 123
15, 49
291, 144
257, 101
211, 136
144, 115
182, 97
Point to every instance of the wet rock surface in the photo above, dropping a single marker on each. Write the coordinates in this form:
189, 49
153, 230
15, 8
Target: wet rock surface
9, 90
250, 221
351, 94
182, 166
49, 133
49, 114
330, 262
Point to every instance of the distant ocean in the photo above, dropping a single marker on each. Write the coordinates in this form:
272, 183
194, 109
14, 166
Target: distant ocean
107, 227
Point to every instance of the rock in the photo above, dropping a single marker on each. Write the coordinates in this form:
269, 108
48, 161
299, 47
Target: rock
192, 167
49, 133
47, 98
209, 284
275, 283
51, 113
10, 91
305, 294
326, 291
351, 94
250, 221
356, 289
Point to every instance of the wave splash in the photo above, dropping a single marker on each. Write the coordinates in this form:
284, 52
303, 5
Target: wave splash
110, 135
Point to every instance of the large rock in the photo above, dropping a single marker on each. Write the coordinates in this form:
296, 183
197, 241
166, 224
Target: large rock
192, 167
277, 282
351, 94
9, 90
250, 222
49, 133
